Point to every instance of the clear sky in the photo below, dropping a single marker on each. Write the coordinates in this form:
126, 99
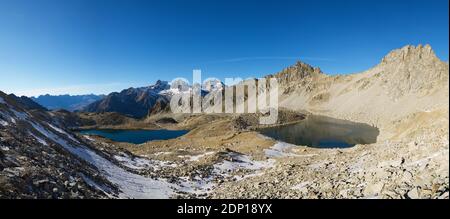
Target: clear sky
99, 46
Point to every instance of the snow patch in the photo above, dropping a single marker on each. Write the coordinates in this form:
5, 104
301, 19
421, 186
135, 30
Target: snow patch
7, 117
280, 149
196, 186
163, 153
300, 186
3, 122
171, 91
40, 140
63, 132
19, 115
133, 163
140, 163
2, 101
428, 158
257, 173
242, 162
175, 91
196, 157
93, 184
160, 163
88, 137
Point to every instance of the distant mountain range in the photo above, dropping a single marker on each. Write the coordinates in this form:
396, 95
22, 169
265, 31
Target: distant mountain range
144, 101
133, 102
67, 102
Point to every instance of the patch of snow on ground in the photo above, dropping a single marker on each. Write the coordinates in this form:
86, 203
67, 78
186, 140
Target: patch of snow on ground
242, 162
93, 184
196, 186
280, 149
57, 129
196, 157
300, 186
62, 132
20, 115
88, 137
163, 153
2, 101
40, 140
143, 162
257, 173
3, 123
265, 137
7, 117
316, 166
423, 161
133, 163
157, 164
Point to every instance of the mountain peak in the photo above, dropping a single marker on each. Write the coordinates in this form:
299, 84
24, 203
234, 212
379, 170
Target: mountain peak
306, 68
159, 82
299, 70
410, 53
160, 85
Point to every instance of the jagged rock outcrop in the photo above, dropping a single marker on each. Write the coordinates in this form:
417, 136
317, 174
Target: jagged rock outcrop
411, 53
413, 70
299, 71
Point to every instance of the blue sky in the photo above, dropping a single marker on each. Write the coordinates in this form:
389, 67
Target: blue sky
99, 46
